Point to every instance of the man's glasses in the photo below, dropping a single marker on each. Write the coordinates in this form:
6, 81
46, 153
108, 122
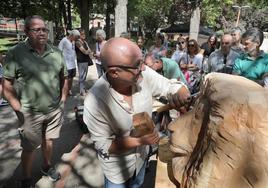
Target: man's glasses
225, 43
137, 67
179, 43
38, 30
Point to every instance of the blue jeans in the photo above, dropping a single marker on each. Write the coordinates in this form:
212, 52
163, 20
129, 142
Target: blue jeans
82, 70
133, 182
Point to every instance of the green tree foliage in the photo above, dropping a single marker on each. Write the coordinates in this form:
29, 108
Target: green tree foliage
214, 12
23, 8
152, 14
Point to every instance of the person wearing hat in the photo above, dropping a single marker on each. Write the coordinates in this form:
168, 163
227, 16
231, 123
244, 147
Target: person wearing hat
67, 46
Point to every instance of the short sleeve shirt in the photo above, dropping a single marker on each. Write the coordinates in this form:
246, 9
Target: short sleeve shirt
171, 70
250, 68
37, 77
68, 50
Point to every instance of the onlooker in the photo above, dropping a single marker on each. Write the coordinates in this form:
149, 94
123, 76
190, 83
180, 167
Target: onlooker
42, 87
83, 54
125, 89
140, 44
193, 57
125, 35
67, 46
254, 63
194, 64
158, 49
100, 37
166, 67
184, 68
236, 34
210, 46
223, 60
181, 49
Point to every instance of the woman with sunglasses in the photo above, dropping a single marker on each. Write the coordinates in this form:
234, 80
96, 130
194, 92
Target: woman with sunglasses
194, 64
181, 49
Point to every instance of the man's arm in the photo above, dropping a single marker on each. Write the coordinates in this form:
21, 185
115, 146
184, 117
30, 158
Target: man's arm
64, 87
236, 68
10, 94
82, 49
120, 145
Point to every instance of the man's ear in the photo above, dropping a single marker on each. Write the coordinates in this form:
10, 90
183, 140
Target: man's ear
258, 44
112, 72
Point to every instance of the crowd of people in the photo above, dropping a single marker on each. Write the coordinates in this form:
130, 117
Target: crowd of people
218, 54
37, 79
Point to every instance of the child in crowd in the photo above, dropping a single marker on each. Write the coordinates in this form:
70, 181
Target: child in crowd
184, 68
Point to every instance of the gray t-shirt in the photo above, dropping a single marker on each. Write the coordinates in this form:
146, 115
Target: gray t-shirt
216, 61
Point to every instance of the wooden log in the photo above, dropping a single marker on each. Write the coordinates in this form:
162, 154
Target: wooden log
143, 125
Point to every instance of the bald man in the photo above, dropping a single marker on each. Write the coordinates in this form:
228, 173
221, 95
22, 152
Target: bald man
125, 89
223, 60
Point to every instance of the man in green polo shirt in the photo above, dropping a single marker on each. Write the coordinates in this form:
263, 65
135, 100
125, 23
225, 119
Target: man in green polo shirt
35, 85
254, 63
165, 66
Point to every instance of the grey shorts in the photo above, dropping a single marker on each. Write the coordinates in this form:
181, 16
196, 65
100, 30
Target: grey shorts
33, 127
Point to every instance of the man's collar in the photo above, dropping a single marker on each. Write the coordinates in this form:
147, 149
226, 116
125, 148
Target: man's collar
48, 48
260, 55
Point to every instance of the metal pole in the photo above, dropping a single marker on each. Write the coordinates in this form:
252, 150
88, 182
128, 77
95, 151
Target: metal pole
238, 16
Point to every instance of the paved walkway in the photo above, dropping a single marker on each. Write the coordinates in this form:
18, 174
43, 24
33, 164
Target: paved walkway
74, 154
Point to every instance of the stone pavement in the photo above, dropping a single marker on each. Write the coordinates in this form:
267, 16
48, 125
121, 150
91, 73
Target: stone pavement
73, 152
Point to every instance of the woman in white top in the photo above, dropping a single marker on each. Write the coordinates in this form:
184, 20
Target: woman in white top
194, 64
100, 37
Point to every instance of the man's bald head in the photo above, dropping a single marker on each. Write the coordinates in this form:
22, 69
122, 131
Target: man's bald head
226, 43
119, 51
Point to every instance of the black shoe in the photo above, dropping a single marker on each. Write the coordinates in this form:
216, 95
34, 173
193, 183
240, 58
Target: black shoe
26, 183
52, 174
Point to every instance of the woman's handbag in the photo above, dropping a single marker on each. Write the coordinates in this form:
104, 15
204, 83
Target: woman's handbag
90, 62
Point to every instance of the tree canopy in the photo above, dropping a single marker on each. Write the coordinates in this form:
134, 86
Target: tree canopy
147, 14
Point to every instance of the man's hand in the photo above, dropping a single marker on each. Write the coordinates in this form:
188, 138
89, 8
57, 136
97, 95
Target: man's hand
180, 98
149, 139
124, 144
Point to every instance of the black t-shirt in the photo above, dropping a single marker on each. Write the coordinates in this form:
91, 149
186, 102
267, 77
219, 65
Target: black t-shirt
81, 57
208, 49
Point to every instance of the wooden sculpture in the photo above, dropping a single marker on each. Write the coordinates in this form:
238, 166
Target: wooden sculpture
223, 141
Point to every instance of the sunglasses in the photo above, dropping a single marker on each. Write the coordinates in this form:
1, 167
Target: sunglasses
38, 30
225, 43
191, 45
125, 67
179, 43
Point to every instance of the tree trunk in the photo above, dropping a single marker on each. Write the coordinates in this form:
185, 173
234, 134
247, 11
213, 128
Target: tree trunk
62, 9
194, 23
109, 11
69, 15
84, 15
120, 17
